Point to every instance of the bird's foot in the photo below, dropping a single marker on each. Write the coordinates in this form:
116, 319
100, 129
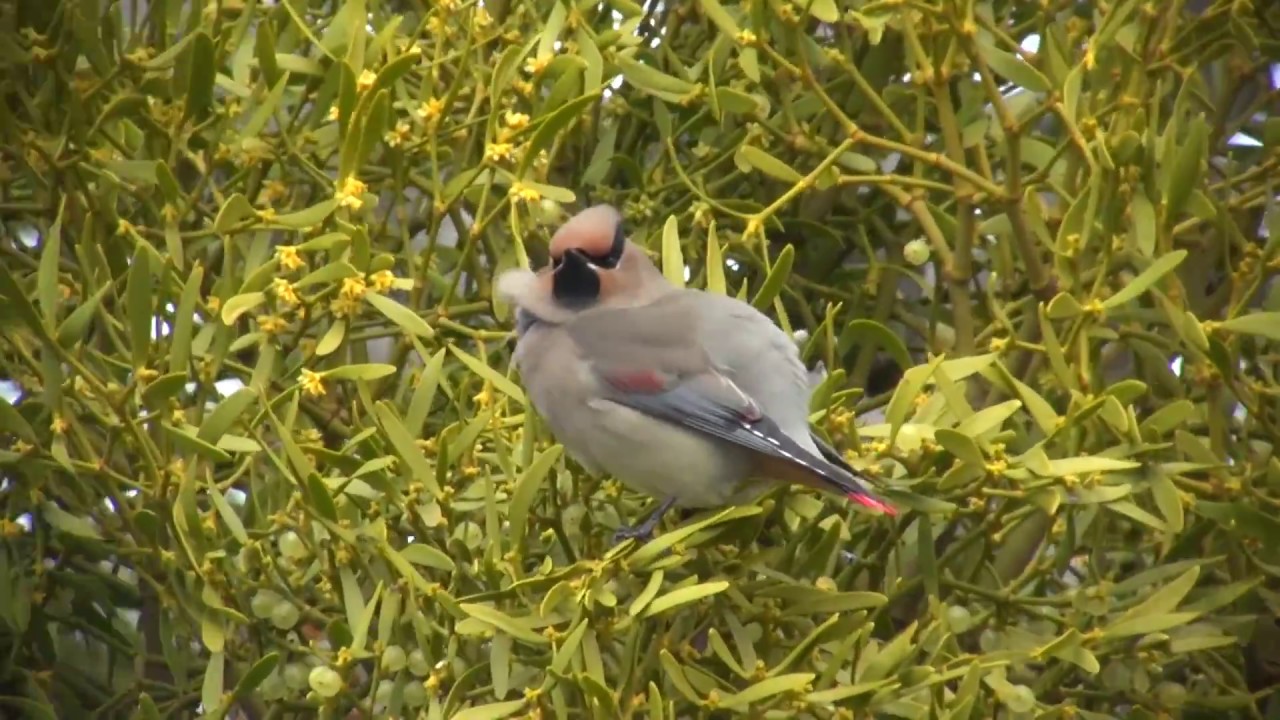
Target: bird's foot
644, 531
640, 533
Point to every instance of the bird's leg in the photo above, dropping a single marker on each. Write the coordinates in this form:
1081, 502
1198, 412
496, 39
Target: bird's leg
644, 530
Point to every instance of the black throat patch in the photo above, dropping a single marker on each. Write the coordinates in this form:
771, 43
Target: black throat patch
575, 283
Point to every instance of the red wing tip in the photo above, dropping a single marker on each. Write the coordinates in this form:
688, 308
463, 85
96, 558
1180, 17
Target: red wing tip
874, 504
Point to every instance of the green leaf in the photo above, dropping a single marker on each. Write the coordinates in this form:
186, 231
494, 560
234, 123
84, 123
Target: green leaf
1143, 228
737, 102
396, 69
1146, 279
1262, 324
904, 396
364, 618
47, 275
502, 621
676, 674
776, 279
1167, 598
405, 447
259, 672
525, 491
241, 304
716, 13
765, 689
190, 443
12, 421
264, 46
147, 709
1182, 170
374, 126
72, 330
218, 422
820, 601
362, 371
64, 521
332, 338
550, 128
651, 79
672, 257
427, 556
214, 683
715, 263
228, 515
321, 500
653, 549
891, 655
492, 711
487, 373
331, 273
1061, 467
1148, 624
204, 71
683, 596
1015, 70
234, 210
305, 218
409, 321
138, 299
962, 446
184, 322
767, 164
266, 110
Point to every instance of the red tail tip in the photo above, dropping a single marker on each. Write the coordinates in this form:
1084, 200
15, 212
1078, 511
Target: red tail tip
874, 504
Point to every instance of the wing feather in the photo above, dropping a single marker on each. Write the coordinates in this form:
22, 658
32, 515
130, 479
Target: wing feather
649, 359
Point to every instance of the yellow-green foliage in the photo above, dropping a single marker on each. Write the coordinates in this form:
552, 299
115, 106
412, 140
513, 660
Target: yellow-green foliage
261, 451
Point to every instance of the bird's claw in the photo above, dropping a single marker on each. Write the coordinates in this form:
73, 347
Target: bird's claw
640, 533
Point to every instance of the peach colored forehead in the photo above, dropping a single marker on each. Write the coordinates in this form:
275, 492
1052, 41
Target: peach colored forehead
591, 231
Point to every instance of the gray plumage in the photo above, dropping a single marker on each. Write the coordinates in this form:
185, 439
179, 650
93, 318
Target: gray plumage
685, 395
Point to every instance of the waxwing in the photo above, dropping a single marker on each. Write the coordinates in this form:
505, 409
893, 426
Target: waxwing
695, 398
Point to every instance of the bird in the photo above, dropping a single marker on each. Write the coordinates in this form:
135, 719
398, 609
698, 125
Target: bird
695, 398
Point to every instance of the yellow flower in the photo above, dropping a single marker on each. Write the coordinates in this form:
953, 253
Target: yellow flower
430, 109
382, 281
350, 191
333, 113
397, 136
353, 288
497, 152
59, 424
288, 257
366, 80
515, 120
312, 383
523, 192
272, 190
271, 324
481, 19
285, 292
524, 87
344, 307
533, 66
